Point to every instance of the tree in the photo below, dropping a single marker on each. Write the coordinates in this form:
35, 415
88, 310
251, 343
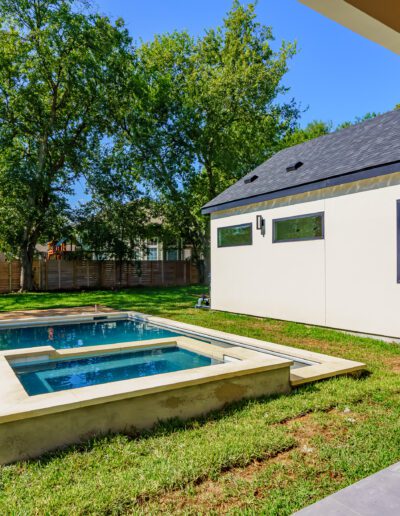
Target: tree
208, 114
312, 130
358, 120
61, 67
116, 221
319, 128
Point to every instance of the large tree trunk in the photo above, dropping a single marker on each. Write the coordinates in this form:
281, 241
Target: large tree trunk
207, 267
200, 242
26, 278
201, 271
202, 262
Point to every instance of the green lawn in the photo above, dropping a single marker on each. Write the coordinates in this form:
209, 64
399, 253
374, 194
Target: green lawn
270, 456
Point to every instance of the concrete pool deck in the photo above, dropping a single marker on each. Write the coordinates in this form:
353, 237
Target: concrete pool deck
253, 368
322, 366
32, 425
317, 365
376, 494
21, 315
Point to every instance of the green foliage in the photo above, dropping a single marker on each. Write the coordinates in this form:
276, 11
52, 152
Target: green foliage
208, 114
114, 222
113, 229
312, 130
358, 120
60, 70
319, 128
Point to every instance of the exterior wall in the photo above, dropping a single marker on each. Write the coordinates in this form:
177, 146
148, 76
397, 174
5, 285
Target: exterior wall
23, 439
346, 281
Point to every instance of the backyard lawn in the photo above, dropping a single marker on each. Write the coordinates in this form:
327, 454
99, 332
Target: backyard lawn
270, 456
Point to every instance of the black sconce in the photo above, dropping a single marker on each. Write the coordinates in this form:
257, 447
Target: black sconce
260, 224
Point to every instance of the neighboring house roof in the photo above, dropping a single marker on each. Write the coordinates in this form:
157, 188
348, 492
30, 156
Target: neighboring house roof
41, 248
367, 149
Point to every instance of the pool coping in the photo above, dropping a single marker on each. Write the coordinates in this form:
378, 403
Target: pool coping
324, 366
16, 404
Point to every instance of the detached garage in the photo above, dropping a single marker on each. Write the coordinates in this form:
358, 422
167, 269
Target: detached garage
313, 234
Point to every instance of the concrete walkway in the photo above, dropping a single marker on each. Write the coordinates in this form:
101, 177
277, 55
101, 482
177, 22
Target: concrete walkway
377, 495
55, 312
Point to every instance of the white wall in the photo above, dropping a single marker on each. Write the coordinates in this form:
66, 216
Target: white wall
348, 280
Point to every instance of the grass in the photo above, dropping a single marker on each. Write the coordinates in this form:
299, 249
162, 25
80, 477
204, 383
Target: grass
269, 456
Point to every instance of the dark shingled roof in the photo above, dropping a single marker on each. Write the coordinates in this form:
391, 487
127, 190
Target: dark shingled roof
364, 146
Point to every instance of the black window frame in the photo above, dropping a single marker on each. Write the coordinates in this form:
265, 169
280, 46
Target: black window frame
303, 216
246, 224
398, 239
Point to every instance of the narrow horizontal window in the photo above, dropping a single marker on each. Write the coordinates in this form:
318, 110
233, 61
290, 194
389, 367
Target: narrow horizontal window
235, 235
302, 227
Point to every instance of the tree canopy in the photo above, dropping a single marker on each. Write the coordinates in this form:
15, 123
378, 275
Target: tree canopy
212, 109
158, 128
60, 70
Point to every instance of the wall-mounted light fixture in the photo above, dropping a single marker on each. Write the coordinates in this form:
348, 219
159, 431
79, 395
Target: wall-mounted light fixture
260, 225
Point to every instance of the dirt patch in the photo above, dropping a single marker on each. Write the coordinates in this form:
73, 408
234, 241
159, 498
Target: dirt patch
226, 492
393, 364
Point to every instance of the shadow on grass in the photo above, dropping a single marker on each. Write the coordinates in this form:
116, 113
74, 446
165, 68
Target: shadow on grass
175, 425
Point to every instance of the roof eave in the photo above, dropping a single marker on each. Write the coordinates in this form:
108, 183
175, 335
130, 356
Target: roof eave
349, 177
377, 23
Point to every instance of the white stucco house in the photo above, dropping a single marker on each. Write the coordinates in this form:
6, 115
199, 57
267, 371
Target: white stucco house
313, 234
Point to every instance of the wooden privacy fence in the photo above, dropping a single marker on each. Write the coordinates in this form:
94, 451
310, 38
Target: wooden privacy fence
88, 274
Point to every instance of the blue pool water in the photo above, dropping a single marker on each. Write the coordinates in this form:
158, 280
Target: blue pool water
60, 375
62, 336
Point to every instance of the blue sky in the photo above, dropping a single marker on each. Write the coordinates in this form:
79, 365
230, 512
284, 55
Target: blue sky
337, 75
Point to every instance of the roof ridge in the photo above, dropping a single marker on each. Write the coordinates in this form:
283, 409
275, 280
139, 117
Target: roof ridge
365, 145
341, 130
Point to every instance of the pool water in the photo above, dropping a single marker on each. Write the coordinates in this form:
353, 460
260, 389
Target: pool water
62, 336
59, 375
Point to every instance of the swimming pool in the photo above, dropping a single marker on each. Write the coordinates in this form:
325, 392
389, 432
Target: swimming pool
70, 376
104, 332
60, 375
76, 335
50, 398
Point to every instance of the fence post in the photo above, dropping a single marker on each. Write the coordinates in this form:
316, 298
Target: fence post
162, 272
87, 273
9, 276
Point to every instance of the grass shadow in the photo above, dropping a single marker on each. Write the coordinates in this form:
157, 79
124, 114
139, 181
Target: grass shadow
176, 425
